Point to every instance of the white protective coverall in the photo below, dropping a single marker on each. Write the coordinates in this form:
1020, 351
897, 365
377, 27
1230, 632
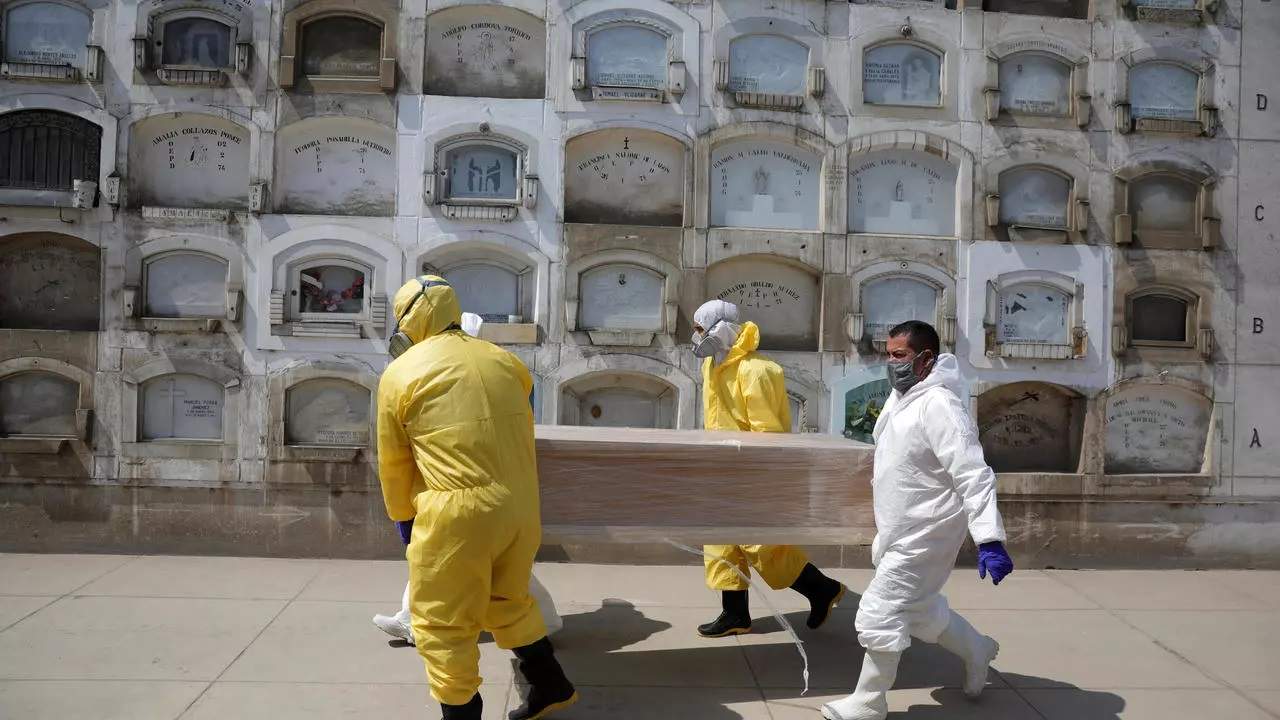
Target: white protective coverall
931, 485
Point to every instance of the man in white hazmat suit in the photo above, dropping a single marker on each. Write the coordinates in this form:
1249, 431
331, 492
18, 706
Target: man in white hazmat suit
399, 625
931, 487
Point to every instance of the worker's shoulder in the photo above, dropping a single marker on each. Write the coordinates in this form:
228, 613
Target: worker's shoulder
762, 365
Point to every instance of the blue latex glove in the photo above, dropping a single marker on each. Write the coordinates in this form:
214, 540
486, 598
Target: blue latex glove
406, 529
993, 559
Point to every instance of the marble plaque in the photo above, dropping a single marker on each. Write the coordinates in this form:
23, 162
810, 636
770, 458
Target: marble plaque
46, 32
902, 74
190, 160
862, 405
624, 177
1165, 203
38, 403
186, 285
1156, 429
1031, 312
896, 192
327, 412
49, 283
619, 407
781, 298
620, 297
892, 300
1034, 197
196, 42
341, 46
181, 407
337, 166
765, 184
627, 56
768, 64
1035, 84
1163, 91
330, 291
490, 291
1158, 318
486, 51
1029, 427
482, 172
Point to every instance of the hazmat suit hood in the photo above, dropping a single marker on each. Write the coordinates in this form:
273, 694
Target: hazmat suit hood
432, 314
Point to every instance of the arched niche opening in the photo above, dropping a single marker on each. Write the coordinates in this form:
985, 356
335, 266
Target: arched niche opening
185, 284
1076, 9
1031, 427
180, 406
1160, 90
49, 40
39, 404
49, 282
618, 399
335, 46
779, 296
1035, 83
902, 73
327, 412
336, 166
622, 176
893, 299
622, 296
762, 183
1035, 315
485, 51
1035, 197
189, 160
768, 64
1156, 428
902, 192
627, 55
43, 153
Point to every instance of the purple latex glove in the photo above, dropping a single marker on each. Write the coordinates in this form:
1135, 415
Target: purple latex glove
406, 530
993, 559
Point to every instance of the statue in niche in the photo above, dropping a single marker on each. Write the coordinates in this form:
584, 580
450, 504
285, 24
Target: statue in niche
897, 192
761, 181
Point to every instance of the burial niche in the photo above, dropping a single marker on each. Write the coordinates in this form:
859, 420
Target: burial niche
1153, 428
42, 153
493, 290
1163, 91
1034, 313
1034, 197
624, 177
888, 301
1031, 427
899, 192
1160, 319
46, 33
621, 296
618, 400
337, 166
341, 46
39, 404
1034, 83
196, 42
186, 284
190, 160
486, 51
757, 183
1164, 208
863, 402
181, 407
330, 290
902, 73
778, 296
327, 412
49, 282
626, 55
768, 64
1077, 9
479, 171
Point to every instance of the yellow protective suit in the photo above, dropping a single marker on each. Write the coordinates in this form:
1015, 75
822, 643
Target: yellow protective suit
456, 455
747, 392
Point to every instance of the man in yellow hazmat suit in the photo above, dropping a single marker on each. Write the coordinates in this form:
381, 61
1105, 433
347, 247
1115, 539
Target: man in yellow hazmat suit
457, 462
743, 390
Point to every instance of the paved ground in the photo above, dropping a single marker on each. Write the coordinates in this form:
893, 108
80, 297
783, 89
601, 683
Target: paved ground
137, 638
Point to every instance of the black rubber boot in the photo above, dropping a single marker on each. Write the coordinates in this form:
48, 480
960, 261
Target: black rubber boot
823, 594
734, 619
470, 711
549, 689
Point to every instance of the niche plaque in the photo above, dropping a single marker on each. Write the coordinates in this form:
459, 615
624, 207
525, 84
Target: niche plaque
49, 282
1156, 429
624, 177
334, 166
618, 407
863, 403
902, 74
769, 64
327, 412
621, 297
1164, 212
895, 192
1034, 313
186, 285
1163, 91
38, 403
626, 56
1034, 198
341, 46
182, 407
485, 51
196, 42
780, 298
193, 161
488, 290
48, 33
889, 301
1029, 427
1035, 84
765, 184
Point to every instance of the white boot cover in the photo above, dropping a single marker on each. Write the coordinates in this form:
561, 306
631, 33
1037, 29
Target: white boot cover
869, 700
546, 605
977, 651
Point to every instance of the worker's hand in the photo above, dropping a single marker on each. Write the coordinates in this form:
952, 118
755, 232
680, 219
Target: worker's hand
993, 559
406, 530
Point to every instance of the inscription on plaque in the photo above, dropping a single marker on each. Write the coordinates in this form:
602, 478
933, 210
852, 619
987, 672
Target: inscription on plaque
46, 32
768, 64
1163, 91
1034, 197
182, 406
780, 298
341, 46
763, 184
1035, 84
196, 42
38, 403
336, 166
1029, 427
627, 56
889, 301
902, 74
186, 285
624, 177
1031, 312
327, 412
902, 193
485, 51
621, 297
49, 282
1156, 429
191, 161
490, 291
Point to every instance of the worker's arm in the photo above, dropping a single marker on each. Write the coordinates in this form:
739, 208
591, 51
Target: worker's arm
765, 392
396, 467
954, 440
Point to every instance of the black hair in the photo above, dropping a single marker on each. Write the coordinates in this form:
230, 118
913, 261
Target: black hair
920, 336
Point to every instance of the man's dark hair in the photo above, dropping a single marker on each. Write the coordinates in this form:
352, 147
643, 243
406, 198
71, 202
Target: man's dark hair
920, 336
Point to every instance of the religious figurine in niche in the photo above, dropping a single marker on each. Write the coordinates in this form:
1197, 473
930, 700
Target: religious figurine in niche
760, 181
919, 77
897, 192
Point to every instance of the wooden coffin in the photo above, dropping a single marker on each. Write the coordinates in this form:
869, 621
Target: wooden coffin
693, 486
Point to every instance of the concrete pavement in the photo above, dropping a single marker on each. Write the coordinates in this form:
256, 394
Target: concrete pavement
142, 638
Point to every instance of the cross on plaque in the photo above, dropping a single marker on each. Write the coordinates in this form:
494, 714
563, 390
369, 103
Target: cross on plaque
174, 395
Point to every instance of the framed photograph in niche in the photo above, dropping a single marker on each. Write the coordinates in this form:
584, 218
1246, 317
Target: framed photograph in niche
902, 73
757, 183
341, 46
770, 64
186, 284
47, 33
181, 407
38, 404
1035, 197
863, 397
327, 412
1034, 83
621, 297
900, 192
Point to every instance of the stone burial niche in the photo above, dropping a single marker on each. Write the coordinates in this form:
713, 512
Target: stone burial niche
48, 158
618, 399
50, 41
339, 46
767, 184
902, 192
193, 44
486, 51
780, 296
49, 282
45, 405
623, 176
1027, 427
1156, 428
631, 53
768, 70
336, 166
900, 72
189, 160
